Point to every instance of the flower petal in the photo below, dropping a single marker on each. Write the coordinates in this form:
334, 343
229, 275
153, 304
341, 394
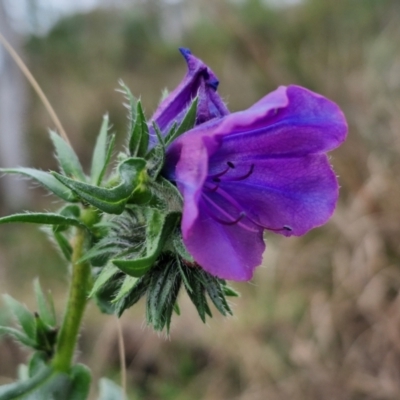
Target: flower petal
225, 251
200, 81
304, 123
300, 193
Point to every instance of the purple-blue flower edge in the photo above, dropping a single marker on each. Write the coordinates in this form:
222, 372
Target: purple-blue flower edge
264, 168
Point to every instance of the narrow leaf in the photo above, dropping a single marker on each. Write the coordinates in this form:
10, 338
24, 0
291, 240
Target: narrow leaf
18, 336
16, 390
139, 140
100, 154
45, 310
187, 123
24, 317
63, 244
41, 218
45, 179
67, 158
111, 201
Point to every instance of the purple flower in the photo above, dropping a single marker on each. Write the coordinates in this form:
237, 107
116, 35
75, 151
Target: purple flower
199, 81
264, 168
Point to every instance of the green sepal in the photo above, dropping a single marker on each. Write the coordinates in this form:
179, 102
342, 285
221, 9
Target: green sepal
229, 291
159, 226
111, 201
139, 139
109, 390
46, 336
161, 297
47, 180
126, 287
216, 293
188, 122
102, 153
105, 275
41, 218
67, 158
138, 291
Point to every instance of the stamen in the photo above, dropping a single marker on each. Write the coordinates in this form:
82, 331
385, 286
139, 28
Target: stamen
238, 207
241, 178
216, 177
241, 216
212, 189
214, 206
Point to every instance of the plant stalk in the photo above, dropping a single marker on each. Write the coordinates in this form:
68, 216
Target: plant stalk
77, 300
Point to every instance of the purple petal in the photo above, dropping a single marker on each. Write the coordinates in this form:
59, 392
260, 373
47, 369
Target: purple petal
299, 193
200, 81
223, 250
303, 123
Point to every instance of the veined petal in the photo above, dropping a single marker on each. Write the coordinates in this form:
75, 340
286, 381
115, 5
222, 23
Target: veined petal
223, 250
305, 123
297, 193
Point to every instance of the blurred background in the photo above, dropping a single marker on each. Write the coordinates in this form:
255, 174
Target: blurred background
321, 318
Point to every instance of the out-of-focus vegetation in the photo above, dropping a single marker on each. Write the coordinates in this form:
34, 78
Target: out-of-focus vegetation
321, 319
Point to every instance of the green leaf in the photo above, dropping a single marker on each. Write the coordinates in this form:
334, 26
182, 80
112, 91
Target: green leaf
110, 390
45, 307
101, 154
111, 201
187, 123
127, 286
106, 274
158, 227
21, 389
67, 158
156, 156
41, 218
24, 317
132, 102
81, 378
139, 140
18, 336
45, 179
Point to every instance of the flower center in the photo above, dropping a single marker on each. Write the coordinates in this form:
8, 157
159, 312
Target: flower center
228, 219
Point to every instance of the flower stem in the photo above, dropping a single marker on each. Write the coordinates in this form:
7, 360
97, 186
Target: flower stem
78, 291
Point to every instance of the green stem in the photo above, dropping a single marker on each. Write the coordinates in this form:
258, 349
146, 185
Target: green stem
78, 291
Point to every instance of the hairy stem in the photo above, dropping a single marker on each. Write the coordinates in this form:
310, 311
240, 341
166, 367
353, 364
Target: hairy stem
78, 291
